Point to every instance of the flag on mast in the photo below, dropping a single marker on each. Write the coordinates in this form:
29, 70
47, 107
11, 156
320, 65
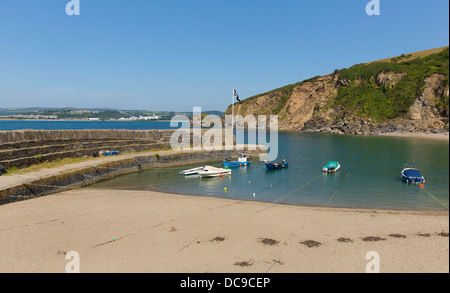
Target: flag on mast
236, 95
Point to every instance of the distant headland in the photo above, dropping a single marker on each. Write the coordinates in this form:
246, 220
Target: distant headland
95, 114
407, 94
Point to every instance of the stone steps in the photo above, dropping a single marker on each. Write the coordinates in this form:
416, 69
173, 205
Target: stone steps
26, 161
56, 148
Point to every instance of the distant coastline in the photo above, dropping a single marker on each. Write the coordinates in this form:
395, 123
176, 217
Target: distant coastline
11, 125
163, 124
84, 120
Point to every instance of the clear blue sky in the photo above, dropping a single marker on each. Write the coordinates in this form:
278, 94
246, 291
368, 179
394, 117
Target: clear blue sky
176, 54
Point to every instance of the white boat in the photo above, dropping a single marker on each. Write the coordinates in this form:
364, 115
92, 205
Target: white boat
190, 172
209, 171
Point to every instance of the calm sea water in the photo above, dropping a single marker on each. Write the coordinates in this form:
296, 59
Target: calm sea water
369, 177
71, 125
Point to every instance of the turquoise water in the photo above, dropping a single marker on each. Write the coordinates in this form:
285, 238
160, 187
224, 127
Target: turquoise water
369, 177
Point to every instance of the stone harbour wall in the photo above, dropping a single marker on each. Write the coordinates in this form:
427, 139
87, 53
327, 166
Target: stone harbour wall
90, 175
24, 148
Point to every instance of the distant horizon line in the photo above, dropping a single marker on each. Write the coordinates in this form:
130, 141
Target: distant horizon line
97, 108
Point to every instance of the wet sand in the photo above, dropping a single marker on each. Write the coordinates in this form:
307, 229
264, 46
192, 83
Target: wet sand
156, 232
432, 136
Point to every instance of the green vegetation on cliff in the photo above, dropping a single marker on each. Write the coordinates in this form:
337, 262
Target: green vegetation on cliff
363, 96
285, 92
380, 90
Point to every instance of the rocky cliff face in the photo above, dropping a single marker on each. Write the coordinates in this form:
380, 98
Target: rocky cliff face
425, 115
425, 107
310, 106
294, 107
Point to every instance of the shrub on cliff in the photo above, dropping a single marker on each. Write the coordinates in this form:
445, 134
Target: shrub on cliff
361, 96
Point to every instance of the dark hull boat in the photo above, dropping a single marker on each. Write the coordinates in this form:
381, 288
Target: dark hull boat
412, 175
280, 165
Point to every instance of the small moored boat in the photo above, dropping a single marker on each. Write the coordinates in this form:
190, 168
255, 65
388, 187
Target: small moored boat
412, 175
190, 172
243, 160
331, 167
209, 171
283, 164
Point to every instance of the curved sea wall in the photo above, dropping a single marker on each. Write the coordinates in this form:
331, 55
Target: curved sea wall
23, 148
92, 174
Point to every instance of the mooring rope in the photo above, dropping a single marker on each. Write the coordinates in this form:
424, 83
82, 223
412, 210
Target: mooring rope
286, 195
296, 233
284, 247
271, 186
309, 182
339, 186
446, 207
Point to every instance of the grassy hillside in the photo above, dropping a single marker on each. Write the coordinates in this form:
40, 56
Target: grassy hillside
412, 56
362, 96
408, 92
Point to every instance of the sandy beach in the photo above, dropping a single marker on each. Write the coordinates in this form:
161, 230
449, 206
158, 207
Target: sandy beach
212, 138
432, 136
150, 232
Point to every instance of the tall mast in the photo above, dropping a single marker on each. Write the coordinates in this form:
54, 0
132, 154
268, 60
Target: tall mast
232, 112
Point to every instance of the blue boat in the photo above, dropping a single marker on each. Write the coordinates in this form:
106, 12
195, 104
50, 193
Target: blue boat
111, 153
235, 164
281, 165
412, 175
243, 160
